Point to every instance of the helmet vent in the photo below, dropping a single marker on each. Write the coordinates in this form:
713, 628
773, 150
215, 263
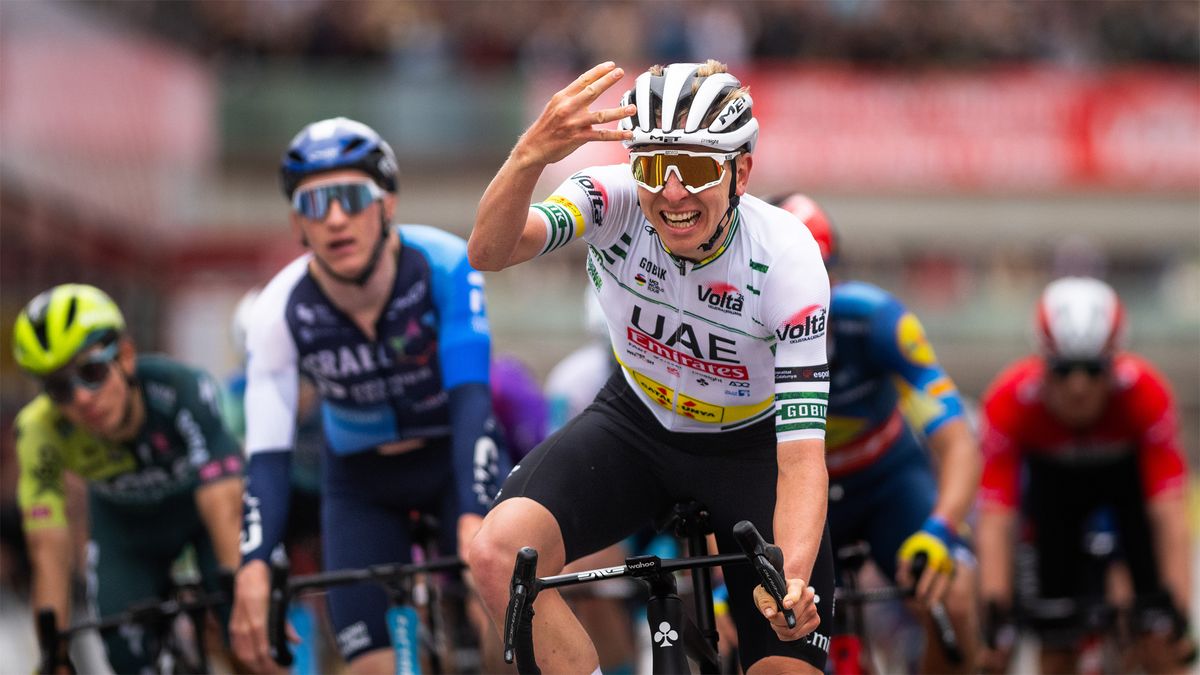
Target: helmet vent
39, 329
71, 313
295, 156
354, 144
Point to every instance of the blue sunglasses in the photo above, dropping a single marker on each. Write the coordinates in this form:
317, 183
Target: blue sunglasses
89, 374
313, 203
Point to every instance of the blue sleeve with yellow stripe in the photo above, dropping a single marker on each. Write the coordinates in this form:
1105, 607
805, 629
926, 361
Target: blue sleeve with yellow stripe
928, 397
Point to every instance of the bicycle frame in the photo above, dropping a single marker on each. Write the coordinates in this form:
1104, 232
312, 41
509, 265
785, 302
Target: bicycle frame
157, 616
397, 579
664, 609
849, 647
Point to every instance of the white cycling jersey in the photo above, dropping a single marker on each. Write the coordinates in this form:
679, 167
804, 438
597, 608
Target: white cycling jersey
713, 345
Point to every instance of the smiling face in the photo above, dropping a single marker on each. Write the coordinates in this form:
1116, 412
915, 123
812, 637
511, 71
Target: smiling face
343, 242
685, 221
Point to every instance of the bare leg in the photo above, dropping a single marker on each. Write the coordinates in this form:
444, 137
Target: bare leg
562, 644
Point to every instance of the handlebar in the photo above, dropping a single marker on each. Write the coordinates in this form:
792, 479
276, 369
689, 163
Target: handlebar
767, 560
284, 589
947, 637
277, 611
52, 642
518, 619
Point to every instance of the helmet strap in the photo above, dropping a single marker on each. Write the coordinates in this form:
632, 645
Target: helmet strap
734, 198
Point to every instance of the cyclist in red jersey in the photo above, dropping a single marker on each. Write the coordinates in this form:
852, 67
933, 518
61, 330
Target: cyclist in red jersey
1079, 427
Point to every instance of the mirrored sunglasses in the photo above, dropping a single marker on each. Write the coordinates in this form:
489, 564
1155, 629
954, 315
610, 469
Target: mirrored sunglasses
313, 203
697, 171
90, 374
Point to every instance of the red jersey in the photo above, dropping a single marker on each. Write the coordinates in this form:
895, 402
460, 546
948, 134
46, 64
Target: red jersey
1139, 419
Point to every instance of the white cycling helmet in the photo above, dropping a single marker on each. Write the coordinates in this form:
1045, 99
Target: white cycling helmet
662, 98
1080, 318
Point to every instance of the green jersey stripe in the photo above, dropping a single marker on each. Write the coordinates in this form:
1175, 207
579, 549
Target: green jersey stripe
780, 428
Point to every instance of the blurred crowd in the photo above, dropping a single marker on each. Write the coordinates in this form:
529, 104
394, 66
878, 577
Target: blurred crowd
438, 37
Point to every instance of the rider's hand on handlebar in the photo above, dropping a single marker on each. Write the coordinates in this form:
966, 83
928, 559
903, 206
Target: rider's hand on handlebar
248, 622
566, 123
936, 540
801, 599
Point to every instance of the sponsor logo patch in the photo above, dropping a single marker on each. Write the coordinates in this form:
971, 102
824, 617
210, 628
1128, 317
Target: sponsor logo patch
807, 324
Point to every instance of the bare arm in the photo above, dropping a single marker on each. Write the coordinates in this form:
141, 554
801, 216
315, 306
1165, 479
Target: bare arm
220, 507
50, 557
505, 232
959, 467
994, 539
802, 496
1172, 546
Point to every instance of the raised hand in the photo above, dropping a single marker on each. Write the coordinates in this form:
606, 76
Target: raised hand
567, 122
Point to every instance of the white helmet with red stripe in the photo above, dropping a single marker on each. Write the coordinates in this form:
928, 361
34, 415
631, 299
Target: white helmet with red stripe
1080, 318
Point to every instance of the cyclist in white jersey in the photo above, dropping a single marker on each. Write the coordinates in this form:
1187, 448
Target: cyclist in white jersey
715, 303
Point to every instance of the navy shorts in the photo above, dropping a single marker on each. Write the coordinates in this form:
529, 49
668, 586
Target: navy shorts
365, 515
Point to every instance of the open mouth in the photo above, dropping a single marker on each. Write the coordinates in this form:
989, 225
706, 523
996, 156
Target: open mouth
680, 220
341, 245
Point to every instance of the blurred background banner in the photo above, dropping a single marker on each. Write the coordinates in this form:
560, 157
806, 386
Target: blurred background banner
1027, 129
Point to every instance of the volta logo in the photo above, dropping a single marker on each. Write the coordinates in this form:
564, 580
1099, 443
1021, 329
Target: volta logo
806, 324
664, 635
721, 296
597, 197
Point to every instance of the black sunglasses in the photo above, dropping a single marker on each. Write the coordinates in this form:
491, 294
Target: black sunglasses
89, 374
1062, 368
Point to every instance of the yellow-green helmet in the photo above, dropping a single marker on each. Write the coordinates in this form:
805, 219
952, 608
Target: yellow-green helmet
60, 322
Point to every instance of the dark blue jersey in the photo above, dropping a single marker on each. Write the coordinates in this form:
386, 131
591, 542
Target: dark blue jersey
886, 380
423, 376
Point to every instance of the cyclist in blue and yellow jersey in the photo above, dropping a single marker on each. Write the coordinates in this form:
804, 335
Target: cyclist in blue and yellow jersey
889, 402
714, 302
146, 434
389, 323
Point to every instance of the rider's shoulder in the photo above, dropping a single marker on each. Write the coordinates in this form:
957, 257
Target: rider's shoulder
441, 248
39, 415
166, 379
1137, 378
1017, 385
776, 235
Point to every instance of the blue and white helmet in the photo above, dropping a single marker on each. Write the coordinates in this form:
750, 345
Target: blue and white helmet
333, 144
662, 98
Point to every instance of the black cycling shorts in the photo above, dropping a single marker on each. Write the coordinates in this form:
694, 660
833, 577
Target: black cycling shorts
613, 469
1060, 501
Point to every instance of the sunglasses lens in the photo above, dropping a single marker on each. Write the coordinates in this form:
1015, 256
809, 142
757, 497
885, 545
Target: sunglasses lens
313, 203
93, 374
696, 172
1063, 369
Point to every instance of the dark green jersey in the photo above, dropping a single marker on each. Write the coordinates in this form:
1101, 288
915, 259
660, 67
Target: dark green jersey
182, 444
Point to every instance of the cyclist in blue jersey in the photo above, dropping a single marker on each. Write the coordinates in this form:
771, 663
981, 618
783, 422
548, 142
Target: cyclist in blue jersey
389, 322
715, 304
889, 399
